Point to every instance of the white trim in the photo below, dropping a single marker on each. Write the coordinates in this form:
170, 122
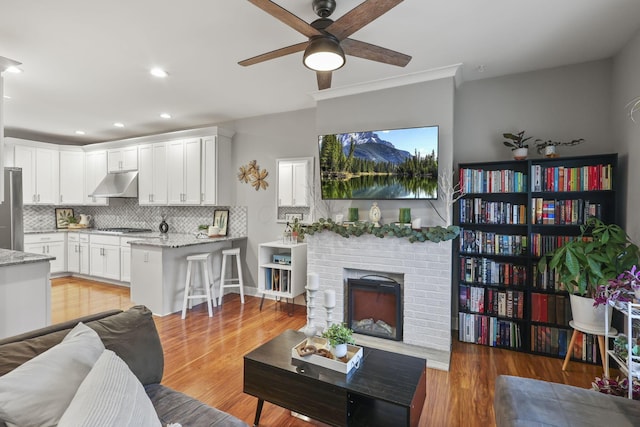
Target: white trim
407, 79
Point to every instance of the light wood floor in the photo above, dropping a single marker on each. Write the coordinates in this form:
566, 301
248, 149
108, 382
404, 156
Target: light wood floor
203, 357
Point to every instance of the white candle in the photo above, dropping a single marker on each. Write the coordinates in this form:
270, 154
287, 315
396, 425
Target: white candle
313, 281
330, 298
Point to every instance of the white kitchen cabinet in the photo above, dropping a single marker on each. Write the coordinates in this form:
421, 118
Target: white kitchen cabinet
78, 252
72, 181
152, 174
95, 171
40, 176
52, 244
183, 172
123, 159
125, 258
216, 170
104, 256
294, 176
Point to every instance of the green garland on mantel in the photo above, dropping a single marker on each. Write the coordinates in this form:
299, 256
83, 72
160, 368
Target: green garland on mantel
431, 234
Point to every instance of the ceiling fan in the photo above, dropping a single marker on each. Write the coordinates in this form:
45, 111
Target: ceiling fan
328, 41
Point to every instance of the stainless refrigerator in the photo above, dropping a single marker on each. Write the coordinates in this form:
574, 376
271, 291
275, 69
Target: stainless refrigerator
11, 225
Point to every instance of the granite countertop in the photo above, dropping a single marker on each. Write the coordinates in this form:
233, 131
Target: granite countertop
179, 240
9, 257
92, 231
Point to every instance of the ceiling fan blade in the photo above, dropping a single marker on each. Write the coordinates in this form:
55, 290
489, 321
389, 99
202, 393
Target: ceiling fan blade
324, 79
287, 17
275, 54
374, 53
360, 16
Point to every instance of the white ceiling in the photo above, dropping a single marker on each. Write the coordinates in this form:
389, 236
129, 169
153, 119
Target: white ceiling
86, 63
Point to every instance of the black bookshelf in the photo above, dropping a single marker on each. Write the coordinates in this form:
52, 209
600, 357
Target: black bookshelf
512, 213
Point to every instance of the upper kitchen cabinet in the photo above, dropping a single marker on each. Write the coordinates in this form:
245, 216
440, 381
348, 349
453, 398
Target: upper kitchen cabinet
39, 174
293, 181
216, 170
152, 174
95, 171
123, 159
72, 178
183, 172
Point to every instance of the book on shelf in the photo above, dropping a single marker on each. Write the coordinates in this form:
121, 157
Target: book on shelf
490, 243
487, 330
563, 212
479, 211
492, 181
562, 178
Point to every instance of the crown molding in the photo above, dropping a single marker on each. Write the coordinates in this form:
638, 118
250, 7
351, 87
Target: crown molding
406, 79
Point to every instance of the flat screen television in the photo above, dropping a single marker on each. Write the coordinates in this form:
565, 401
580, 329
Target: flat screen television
393, 164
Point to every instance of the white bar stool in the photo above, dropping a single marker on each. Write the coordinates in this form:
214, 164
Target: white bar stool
207, 276
234, 282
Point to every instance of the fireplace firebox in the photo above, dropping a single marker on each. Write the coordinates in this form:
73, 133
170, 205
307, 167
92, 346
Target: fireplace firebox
375, 308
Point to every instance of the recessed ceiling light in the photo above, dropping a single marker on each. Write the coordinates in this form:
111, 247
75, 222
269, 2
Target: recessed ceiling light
158, 72
13, 69
6, 96
80, 132
165, 115
118, 125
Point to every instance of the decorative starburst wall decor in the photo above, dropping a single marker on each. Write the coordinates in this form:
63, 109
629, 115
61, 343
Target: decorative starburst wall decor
252, 174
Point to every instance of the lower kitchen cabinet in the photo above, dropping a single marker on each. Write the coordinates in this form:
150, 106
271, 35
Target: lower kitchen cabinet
104, 256
52, 244
78, 253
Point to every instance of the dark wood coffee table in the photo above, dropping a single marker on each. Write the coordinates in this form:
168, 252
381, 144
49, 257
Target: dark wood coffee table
388, 389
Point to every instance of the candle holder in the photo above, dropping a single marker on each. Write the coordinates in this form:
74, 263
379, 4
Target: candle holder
329, 315
310, 330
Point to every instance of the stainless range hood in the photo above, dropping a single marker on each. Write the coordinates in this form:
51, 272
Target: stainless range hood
122, 184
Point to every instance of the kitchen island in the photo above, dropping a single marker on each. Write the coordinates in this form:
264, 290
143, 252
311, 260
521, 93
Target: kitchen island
159, 268
25, 292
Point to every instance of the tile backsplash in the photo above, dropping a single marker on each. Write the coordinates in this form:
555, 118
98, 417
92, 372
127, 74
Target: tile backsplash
128, 213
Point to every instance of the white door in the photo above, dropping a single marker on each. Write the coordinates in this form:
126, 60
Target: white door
125, 264
73, 256
96, 261
25, 158
145, 175
84, 258
96, 169
175, 172
299, 188
209, 171
285, 184
159, 177
114, 160
192, 172
47, 176
130, 158
72, 179
58, 250
111, 255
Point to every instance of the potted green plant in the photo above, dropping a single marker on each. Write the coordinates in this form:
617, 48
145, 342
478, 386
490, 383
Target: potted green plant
339, 335
599, 254
548, 147
518, 144
297, 232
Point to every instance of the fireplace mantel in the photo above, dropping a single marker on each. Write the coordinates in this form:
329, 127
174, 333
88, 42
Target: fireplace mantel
426, 268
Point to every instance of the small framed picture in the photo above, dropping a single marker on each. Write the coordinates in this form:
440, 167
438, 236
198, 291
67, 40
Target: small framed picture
62, 217
291, 217
221, 220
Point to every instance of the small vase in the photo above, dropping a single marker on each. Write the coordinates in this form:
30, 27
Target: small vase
340, 350
405, 215
520, 153
550, 151
353, 214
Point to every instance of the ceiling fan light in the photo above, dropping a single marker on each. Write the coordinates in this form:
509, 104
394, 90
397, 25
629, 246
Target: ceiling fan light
323, 54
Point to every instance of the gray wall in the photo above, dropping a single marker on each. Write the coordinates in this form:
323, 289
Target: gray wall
626, 86
560, 104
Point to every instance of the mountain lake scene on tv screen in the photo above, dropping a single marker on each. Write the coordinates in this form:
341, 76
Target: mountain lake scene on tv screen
391, 164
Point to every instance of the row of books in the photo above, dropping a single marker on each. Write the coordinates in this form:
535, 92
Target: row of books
547, 279
560, 178
492, 181
555, 341
276, 279
491, 331
542, 244
479, 211
573, 212
550, 308
486, 271
509, 304
484, 242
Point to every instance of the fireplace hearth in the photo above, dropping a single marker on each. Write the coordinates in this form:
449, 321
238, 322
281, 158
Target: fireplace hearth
375, 308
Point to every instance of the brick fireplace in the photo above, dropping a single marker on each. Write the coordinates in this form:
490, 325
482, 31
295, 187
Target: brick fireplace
424, 269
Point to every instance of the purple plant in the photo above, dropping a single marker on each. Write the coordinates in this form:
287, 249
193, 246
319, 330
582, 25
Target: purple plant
619, 289
616, 387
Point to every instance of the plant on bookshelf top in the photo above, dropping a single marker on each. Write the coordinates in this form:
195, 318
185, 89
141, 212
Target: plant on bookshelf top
433, 234
518, 144
583, 264
548, 147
